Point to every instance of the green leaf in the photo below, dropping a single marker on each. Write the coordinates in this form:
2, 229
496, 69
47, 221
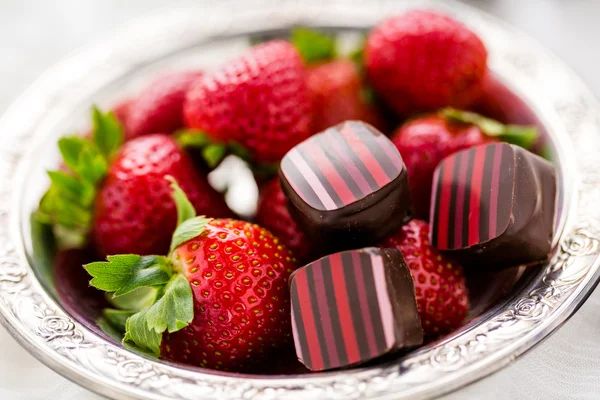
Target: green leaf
188, 230
117, 318
140, 337
83, 158
43, 243
547, 152
69, 238
107, 328
358, 55
367, 95
313, 46
264, 172
192, 138
56, 209
108, 132
92, 164
175, 309
72, 188
123, 273
524, 136
213, 154
67, 205
70, 148
240, 151
137, 300
185, 209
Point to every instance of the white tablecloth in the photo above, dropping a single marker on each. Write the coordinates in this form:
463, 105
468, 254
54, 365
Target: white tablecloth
34, 34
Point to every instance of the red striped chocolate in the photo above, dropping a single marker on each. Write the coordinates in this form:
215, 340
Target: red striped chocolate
341, 165
347, 186
491, 195
353, 306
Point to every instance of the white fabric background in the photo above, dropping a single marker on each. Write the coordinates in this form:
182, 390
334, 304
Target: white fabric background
34, 34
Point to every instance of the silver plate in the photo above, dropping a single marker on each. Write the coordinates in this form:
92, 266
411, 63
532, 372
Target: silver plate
57, 102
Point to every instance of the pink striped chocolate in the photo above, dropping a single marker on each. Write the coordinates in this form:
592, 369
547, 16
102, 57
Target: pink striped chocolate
340, 176
491, 199
341, 165
352, 307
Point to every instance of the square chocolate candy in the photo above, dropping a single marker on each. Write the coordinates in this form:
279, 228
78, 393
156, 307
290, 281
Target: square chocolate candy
493, 206
351, 307
347, 186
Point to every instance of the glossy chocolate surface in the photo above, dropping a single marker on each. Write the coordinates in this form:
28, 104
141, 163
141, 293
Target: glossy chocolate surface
493, 206
347, 186
351, 307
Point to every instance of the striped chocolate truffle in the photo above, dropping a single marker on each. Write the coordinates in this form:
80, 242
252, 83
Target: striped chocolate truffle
352, 307
337, 177
491, 199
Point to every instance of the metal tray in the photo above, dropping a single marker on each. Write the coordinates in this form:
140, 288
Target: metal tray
201, 34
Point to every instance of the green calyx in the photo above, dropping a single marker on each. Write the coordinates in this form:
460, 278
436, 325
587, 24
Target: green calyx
316, 47
68, 203
212, 153
520, 135
313, 46
154, 298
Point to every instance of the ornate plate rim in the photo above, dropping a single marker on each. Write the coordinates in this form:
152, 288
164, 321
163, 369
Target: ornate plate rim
80, 355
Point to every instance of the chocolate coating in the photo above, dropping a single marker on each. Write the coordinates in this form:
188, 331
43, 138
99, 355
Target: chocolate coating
347, 186
351, 307
493, 206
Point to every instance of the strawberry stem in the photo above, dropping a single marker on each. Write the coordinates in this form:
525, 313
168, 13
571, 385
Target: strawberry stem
520, 135
67, 205
168, 301
313, 46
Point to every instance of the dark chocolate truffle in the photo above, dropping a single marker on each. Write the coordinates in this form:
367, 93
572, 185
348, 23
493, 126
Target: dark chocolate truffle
493, 206
347, 186
351, 307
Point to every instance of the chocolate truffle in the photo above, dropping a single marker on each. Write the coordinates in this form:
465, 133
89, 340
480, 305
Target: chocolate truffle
493, 206
347, 187
351, 307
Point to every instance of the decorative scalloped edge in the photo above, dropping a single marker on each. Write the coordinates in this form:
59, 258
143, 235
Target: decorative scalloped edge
41, 325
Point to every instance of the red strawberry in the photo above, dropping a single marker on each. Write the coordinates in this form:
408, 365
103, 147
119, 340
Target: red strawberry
499, 102
223, 294
421, 61
134, 212
439, 282
121, 110
425, 141
336, 91
273, 214
239, 275
159, 107
259, 100
114, 194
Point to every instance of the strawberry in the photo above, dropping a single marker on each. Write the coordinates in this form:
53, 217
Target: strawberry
116, 193
425, 141
499, 102
440, 285
421, 61
336, 86
337, 94
222, 299
133, 211
121, 111
273, 214
259, 101
159, 107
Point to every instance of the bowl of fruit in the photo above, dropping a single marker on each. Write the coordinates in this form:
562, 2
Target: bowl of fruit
298, 200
